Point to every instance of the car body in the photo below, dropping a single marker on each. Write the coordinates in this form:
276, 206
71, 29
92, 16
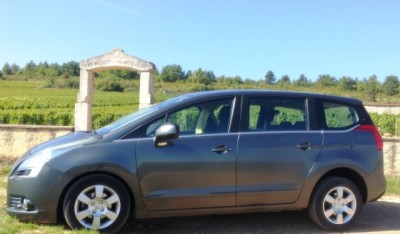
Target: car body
210, 152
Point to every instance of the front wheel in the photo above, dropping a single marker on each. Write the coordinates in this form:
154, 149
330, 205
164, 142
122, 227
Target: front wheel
335, 203
97, 202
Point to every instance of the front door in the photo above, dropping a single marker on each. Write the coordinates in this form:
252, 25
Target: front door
198, 169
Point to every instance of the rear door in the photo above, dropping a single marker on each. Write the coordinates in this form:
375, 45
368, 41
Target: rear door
276, 150
344, 143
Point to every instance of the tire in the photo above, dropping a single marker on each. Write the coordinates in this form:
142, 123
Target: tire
335, 204
97, 202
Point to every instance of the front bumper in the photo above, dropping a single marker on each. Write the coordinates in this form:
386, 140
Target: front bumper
36, 199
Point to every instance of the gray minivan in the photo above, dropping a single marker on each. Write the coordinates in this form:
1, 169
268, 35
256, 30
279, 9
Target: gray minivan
205, 153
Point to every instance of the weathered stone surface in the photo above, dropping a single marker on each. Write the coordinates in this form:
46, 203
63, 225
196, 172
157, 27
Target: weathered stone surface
116, 59
383, 109
15, 140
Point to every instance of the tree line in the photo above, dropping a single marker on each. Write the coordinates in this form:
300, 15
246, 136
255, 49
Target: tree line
202, 79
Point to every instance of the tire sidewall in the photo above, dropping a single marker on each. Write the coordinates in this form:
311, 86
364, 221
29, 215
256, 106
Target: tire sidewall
88, 181
316, 204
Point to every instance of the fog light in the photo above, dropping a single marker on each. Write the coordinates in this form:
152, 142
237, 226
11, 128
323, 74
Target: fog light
27, 204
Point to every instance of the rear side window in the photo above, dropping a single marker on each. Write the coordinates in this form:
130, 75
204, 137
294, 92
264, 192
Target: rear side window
277, 114
339, 116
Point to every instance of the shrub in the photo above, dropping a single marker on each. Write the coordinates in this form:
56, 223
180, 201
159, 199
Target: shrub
112, 84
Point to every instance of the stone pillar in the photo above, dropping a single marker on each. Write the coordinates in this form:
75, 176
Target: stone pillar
146, 96
83, 106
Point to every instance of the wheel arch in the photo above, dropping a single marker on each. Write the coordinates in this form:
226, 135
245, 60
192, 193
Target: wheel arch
346, 173
60, 216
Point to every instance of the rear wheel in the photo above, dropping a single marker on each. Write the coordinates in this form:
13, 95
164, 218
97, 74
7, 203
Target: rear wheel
97, 202
335, 204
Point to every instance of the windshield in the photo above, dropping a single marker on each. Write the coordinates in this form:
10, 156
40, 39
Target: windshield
136, 116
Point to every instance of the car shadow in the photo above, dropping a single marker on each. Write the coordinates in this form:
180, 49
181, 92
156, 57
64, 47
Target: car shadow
378, 216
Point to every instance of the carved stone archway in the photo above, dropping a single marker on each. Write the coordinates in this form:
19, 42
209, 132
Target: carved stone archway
116, 59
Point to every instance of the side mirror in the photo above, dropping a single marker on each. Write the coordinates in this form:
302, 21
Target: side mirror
165, 133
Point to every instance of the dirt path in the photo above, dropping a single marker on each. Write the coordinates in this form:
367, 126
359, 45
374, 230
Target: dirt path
382, 216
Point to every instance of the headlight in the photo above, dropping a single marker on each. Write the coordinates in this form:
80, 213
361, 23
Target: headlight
31, 166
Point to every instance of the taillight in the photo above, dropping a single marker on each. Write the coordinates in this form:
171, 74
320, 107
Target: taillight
371, 128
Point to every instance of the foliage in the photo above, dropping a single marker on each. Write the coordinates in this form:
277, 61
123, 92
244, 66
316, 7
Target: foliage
202, 77
347, 83
118, 73
269, 77
302, 81
387, 123
172, 81
393, 186
172, 73
112, 84
371, 88
326, 81
285, 80
25, 103
6, 70
391, 85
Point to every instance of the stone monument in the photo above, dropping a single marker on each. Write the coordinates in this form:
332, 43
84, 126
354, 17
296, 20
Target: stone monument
116, 59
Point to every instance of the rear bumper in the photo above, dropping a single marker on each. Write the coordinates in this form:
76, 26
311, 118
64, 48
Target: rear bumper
376, 184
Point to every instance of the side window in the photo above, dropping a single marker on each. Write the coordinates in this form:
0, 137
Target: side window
277, 114
254, 114
339, 116
186, 119
201, 118
152, 127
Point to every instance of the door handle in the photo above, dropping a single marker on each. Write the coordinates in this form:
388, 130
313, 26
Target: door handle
305, 146
220, 149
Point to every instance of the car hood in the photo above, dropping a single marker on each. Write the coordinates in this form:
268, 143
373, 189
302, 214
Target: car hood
69, 140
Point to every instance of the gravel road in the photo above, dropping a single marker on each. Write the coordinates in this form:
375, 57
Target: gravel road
382, 216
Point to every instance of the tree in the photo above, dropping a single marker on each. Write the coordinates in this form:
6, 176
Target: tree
302, 81
285, 80
70, 69
29, 69
41, 69
326, 81
188, 74
270, 77
371, 87
390, 86
202, 77
53, 70
347, 83
172, 73
6, 69
15, 69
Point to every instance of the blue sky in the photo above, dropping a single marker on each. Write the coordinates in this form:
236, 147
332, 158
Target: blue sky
356, 38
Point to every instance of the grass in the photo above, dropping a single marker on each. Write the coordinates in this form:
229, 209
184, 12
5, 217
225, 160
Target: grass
12, 225
393, 186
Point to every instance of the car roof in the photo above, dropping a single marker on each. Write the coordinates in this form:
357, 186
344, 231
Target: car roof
222, 93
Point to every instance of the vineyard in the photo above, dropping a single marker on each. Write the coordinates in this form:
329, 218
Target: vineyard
23, 102
26, 102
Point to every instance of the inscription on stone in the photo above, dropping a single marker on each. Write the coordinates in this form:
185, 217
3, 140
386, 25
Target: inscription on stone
117, 58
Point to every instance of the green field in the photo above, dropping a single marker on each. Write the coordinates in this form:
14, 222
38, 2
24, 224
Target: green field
27, 102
